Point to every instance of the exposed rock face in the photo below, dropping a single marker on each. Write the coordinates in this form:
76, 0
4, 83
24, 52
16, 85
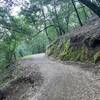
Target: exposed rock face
82, 45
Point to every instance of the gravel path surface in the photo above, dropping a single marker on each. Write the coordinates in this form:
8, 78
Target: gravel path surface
62, 82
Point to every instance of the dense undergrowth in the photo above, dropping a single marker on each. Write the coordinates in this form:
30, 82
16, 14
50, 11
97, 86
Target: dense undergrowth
65, 52
83, 46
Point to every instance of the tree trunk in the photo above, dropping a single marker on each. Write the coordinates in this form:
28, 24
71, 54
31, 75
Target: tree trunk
79, 19
92, 6
61, 31
45, 24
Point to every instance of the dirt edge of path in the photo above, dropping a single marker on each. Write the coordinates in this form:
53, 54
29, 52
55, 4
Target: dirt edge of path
19, 88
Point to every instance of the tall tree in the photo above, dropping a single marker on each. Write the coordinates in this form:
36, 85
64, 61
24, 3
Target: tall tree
78, 16
92, 6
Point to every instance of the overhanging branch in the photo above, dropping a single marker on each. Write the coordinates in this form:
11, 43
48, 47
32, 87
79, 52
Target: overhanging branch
43, 30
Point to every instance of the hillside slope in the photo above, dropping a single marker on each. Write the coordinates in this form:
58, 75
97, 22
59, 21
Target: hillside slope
81, 44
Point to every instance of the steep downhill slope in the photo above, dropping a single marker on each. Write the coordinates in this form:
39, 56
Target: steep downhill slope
81, 44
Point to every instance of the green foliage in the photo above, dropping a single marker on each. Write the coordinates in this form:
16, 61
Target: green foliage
64, 51
73, 55
97, 57
39, 23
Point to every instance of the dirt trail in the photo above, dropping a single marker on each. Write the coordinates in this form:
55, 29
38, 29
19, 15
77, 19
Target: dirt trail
54, 81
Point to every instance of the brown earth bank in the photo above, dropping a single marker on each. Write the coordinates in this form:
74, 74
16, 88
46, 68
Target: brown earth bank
43, 78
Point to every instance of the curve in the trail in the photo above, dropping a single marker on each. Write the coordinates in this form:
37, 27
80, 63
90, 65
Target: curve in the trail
62, 82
